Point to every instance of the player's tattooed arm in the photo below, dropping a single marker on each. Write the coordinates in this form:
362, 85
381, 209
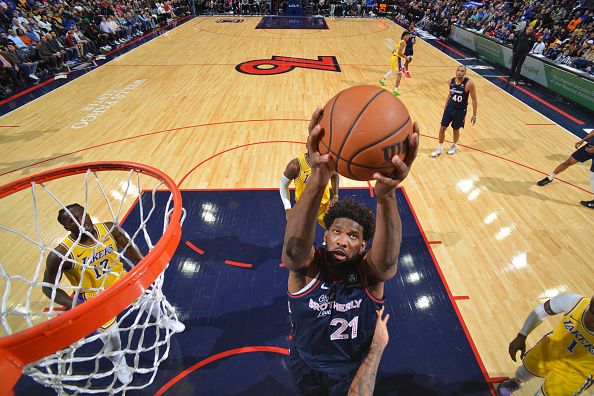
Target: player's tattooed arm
364, 380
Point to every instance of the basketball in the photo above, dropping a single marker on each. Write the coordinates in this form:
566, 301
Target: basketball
365, 126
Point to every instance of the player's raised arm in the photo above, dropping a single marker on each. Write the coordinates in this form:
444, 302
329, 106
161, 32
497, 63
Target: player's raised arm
53, 274
334, 185
382, 259
298, 250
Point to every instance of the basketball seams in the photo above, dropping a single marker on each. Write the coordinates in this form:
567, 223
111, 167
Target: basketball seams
350, 161
346, 136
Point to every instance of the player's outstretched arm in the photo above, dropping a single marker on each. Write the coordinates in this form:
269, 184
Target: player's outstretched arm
124, 243
53, 274
364, 380
558, 304
382, 259
298, 250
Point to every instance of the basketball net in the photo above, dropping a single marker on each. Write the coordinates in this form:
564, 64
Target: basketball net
29, 232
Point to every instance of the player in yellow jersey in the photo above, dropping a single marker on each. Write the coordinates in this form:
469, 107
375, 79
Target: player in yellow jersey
89, 257
298, 171
564, 357
397, 62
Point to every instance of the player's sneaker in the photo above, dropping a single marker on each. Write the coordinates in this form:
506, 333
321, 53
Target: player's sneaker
396, 92
544, 181
382, 82
407, 74
508, 387
436, 153
175, 326
124, 372
588, 204
453, 149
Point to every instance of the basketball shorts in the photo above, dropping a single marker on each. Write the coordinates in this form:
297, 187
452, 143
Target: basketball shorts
408, 51
82, 297
560, 380
310, 382
454, 116
396, 64
581, 155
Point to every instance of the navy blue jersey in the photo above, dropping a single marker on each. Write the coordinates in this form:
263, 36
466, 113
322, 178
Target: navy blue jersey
333, 319
458, 94
408, 51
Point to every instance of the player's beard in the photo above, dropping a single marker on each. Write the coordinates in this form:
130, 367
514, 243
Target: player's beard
341, 267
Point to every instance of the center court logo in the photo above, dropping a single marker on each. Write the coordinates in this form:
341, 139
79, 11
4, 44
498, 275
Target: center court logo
284, 64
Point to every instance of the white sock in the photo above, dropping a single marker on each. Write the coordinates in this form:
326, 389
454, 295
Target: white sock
523, 375
388, 74
439, 147
552, 175
592, 180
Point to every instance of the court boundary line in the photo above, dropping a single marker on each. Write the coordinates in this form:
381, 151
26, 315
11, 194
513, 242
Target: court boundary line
450, 295
218, 356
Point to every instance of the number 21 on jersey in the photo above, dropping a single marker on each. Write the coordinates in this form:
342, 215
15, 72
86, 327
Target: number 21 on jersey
342, 333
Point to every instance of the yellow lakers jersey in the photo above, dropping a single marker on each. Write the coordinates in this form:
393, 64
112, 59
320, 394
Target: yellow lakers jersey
304, 174
395, 52
97, 264
573, 343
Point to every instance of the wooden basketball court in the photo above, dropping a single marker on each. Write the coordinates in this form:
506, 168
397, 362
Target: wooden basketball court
172, 103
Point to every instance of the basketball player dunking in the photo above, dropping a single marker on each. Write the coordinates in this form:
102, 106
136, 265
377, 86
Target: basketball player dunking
397, 62
455, 110
299, 171
335, 291
89, 259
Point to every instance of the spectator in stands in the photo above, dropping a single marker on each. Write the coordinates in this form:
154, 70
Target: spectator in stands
564, 58
553, 51
538, 47
8, 66
89, 47
70, 41
24, 38
32, 35
56, 49
22, 61
57, 44
44, 24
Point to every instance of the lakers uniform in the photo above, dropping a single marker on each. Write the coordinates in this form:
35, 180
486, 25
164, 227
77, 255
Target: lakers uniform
396, 60
565, 357
301, 181
95, 266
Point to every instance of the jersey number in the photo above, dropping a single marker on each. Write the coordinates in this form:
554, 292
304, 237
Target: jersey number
339, 334
457, 98
571, 346
101, 269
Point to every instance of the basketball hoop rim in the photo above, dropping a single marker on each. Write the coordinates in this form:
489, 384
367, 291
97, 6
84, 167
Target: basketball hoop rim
32, 344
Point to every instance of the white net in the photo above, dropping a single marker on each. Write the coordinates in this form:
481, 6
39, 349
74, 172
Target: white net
125, 353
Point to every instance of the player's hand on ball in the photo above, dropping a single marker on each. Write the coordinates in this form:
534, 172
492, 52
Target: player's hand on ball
381, 336
317, 161
386, 183
518, 344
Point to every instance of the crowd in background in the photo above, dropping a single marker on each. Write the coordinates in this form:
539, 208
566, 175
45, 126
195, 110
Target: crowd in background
39, 38
563, 30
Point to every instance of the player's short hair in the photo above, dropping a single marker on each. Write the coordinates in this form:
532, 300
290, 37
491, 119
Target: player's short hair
405, 33
62, 213
348, 208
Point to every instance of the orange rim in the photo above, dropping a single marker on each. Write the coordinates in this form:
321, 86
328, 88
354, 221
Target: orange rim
41, 340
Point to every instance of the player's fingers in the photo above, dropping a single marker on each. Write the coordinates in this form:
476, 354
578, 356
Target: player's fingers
401, 169
313, 139
315, 118
386, 319
384, 179
413, 148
